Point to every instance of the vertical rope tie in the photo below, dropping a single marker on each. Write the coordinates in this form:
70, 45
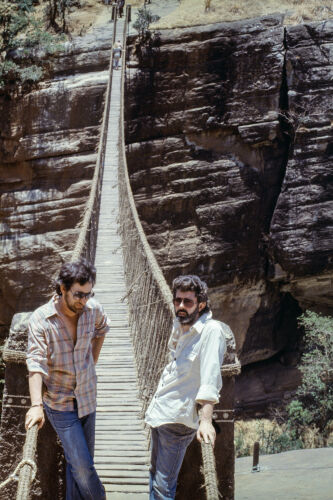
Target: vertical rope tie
209, 471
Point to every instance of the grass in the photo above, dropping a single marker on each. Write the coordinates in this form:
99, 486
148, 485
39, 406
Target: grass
192, 12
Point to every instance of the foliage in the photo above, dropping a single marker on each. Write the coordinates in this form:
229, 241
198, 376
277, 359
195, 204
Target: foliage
314, 405
272, 437
307, 421
24, 37
144, 18
57, 12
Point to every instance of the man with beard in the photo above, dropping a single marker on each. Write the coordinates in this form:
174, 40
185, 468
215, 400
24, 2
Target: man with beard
191, 381
65, 338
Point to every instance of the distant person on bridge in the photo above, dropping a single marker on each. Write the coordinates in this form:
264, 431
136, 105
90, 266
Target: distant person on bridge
120, 4
117, 49
192, 379
65, 338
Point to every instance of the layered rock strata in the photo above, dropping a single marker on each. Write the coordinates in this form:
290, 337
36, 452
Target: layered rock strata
229, 141
48, 144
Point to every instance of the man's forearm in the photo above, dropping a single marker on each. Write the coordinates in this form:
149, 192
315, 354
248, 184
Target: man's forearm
206, 429
35, 388
35, 415
206, 411
96, 347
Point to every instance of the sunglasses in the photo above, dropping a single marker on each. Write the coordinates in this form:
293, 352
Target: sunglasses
82, 295
187, 302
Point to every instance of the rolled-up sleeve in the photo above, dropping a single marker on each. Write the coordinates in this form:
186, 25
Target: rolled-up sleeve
102, 324
211, 359
37, 349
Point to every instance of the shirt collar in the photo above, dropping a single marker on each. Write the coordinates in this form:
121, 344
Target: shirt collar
200, 323
198, 327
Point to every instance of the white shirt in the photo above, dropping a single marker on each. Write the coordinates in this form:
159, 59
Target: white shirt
193, 374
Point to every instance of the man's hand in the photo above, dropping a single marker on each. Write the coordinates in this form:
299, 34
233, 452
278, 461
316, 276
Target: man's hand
206, 432
34, 415
206, 429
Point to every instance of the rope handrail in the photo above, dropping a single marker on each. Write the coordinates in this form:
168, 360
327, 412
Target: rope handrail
150, 299
209, 471
85, 247
149, 296
89, 225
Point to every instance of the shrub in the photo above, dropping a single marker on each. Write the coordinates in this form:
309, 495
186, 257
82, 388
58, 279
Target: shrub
307, 421
272, 437
143, 20
314, 405
24, 37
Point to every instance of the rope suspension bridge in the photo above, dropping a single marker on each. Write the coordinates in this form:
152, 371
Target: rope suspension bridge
136, 297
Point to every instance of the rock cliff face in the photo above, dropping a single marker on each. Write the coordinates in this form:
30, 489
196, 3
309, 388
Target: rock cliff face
48, 141
301, 230
229, 145
229, 131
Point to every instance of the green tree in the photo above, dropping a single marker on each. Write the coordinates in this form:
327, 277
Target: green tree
314, 405
144, 18
23, 36
57, 12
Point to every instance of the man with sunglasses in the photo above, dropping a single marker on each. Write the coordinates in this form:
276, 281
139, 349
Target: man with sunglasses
65, 338
191, 381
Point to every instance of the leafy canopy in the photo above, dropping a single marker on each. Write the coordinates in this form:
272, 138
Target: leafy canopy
23, 33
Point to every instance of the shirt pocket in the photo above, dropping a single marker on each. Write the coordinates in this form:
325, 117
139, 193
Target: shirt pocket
186, 361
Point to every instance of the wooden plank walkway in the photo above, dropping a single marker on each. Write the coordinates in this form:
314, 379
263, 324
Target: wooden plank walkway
121, 454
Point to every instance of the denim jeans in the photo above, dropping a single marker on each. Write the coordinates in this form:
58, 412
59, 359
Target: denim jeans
77, 436
168, 446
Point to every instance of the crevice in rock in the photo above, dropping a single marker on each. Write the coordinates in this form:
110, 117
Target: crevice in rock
287, 135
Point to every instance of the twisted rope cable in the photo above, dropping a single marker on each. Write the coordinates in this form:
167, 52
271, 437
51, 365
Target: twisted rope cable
90, 219
85, 246
151, 293
13, 475
209, 471
27, 473
27, 467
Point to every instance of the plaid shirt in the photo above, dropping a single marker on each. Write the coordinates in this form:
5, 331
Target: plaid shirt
68, 371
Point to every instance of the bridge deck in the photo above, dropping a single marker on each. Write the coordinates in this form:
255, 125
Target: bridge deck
121, 454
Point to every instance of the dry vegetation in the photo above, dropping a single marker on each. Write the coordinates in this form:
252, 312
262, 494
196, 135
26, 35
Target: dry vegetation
91, 13
192, 12
272, 437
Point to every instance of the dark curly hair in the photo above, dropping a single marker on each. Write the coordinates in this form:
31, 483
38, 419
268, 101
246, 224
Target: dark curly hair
80, 271
192, 283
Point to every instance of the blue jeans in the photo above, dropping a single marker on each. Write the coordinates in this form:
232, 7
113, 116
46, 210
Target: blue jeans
168, 446
77, 436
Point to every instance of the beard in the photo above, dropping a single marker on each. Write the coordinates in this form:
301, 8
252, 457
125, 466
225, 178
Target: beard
71, 306
186, 318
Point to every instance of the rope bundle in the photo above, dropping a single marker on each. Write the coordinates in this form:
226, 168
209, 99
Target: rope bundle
27, 467
149, 297
209, 471
85, 247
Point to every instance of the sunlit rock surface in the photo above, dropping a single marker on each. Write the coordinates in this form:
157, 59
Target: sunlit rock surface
48, 143
226, 184
302, 225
